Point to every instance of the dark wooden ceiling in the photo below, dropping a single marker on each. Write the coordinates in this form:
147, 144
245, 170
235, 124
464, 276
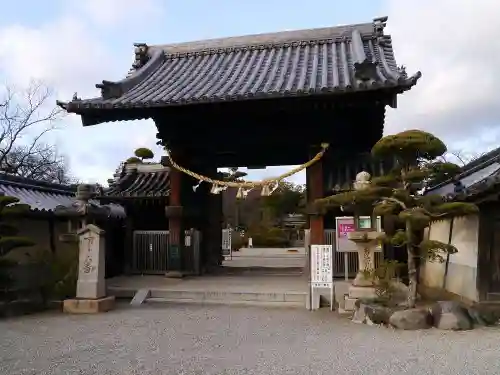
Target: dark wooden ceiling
273, 132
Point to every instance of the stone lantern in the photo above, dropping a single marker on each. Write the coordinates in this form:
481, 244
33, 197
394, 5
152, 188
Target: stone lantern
91, 286
365, 236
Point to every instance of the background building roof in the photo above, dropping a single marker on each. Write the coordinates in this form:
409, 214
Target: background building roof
478, 176
43, 196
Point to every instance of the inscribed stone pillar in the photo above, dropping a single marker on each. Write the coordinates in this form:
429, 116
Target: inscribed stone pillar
91, 264
91, 285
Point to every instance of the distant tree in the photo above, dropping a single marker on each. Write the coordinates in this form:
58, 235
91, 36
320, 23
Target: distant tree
450, 165
396, 196
144, 153
463, 158
25, 118
233, 174
288, 198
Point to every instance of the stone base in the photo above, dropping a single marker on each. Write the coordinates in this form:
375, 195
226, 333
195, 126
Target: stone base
356, 293
89, 306
349, 304
359, 292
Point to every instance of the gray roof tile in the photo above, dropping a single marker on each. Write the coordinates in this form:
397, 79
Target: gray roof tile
478, 176
45, 197
140, 181
294, 63
37, 200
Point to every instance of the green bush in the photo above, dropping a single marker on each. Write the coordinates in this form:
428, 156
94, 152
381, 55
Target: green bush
237, 242
63, 273
268, 237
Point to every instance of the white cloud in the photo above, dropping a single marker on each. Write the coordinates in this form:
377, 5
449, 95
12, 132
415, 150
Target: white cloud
451, 42
454, 44
110, 13
69, 54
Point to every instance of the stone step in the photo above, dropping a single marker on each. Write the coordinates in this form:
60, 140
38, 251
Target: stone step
230, 297
288, 304
290, 299
260, 271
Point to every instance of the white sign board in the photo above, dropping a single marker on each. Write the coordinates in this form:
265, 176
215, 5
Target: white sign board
226, 242
321, 271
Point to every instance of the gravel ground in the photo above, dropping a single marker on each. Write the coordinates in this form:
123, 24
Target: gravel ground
187, 339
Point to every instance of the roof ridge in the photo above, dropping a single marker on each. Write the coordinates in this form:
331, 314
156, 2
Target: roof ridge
270, 45
33, 184
368, 30
266, 39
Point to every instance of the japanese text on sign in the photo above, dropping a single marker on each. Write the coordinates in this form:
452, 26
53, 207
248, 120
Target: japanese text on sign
321, 264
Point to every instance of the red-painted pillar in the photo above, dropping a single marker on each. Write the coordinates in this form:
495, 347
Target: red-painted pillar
174, 213
314, 176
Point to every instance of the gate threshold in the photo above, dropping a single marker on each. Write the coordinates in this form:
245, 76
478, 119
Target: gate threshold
287, 291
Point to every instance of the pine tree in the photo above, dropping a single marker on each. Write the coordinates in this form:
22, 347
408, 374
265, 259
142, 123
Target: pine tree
9, 239
144, 153
397, 196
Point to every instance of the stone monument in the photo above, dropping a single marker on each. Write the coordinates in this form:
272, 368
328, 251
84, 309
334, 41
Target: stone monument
366, 240
91, 286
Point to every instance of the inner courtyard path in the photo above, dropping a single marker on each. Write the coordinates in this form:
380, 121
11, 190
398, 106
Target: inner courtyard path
194, 339
267, 257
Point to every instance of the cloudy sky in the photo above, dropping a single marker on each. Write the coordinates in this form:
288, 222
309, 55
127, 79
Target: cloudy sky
72, 45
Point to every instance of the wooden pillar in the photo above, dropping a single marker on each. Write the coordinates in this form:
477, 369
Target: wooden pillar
215, 219
174, 214
129, 242
314, 176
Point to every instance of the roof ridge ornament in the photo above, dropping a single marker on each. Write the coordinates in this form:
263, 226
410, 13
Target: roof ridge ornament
141, 57
379, 25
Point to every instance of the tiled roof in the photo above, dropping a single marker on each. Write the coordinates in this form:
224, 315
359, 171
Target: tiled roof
294, 63
45, 197
478, 176
140, 181
40, 196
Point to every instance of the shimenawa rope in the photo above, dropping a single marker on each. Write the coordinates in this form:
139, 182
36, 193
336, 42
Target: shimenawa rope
248, 184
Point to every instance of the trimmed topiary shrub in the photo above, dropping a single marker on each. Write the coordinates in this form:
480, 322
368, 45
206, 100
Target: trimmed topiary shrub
144, 153
133, 160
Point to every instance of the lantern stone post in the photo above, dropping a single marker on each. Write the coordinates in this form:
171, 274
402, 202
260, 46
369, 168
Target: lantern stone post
91, 285
366, 239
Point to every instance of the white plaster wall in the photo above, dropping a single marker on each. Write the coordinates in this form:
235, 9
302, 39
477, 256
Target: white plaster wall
462, 267
465, 238
432, 273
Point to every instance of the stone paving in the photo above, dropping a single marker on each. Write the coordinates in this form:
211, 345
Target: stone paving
193, 339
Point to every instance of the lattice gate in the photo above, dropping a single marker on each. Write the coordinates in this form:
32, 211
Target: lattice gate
150, 251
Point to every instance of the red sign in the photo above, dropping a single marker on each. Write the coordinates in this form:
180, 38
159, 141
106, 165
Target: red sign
345, 228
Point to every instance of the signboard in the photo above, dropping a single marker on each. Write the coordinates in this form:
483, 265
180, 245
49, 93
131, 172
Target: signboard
345, 224
226, 242
322, 270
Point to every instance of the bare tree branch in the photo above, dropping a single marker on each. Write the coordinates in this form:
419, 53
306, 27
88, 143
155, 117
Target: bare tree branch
26, 116
461, 157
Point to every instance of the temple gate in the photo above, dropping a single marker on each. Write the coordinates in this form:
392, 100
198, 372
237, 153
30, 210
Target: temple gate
255, 101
